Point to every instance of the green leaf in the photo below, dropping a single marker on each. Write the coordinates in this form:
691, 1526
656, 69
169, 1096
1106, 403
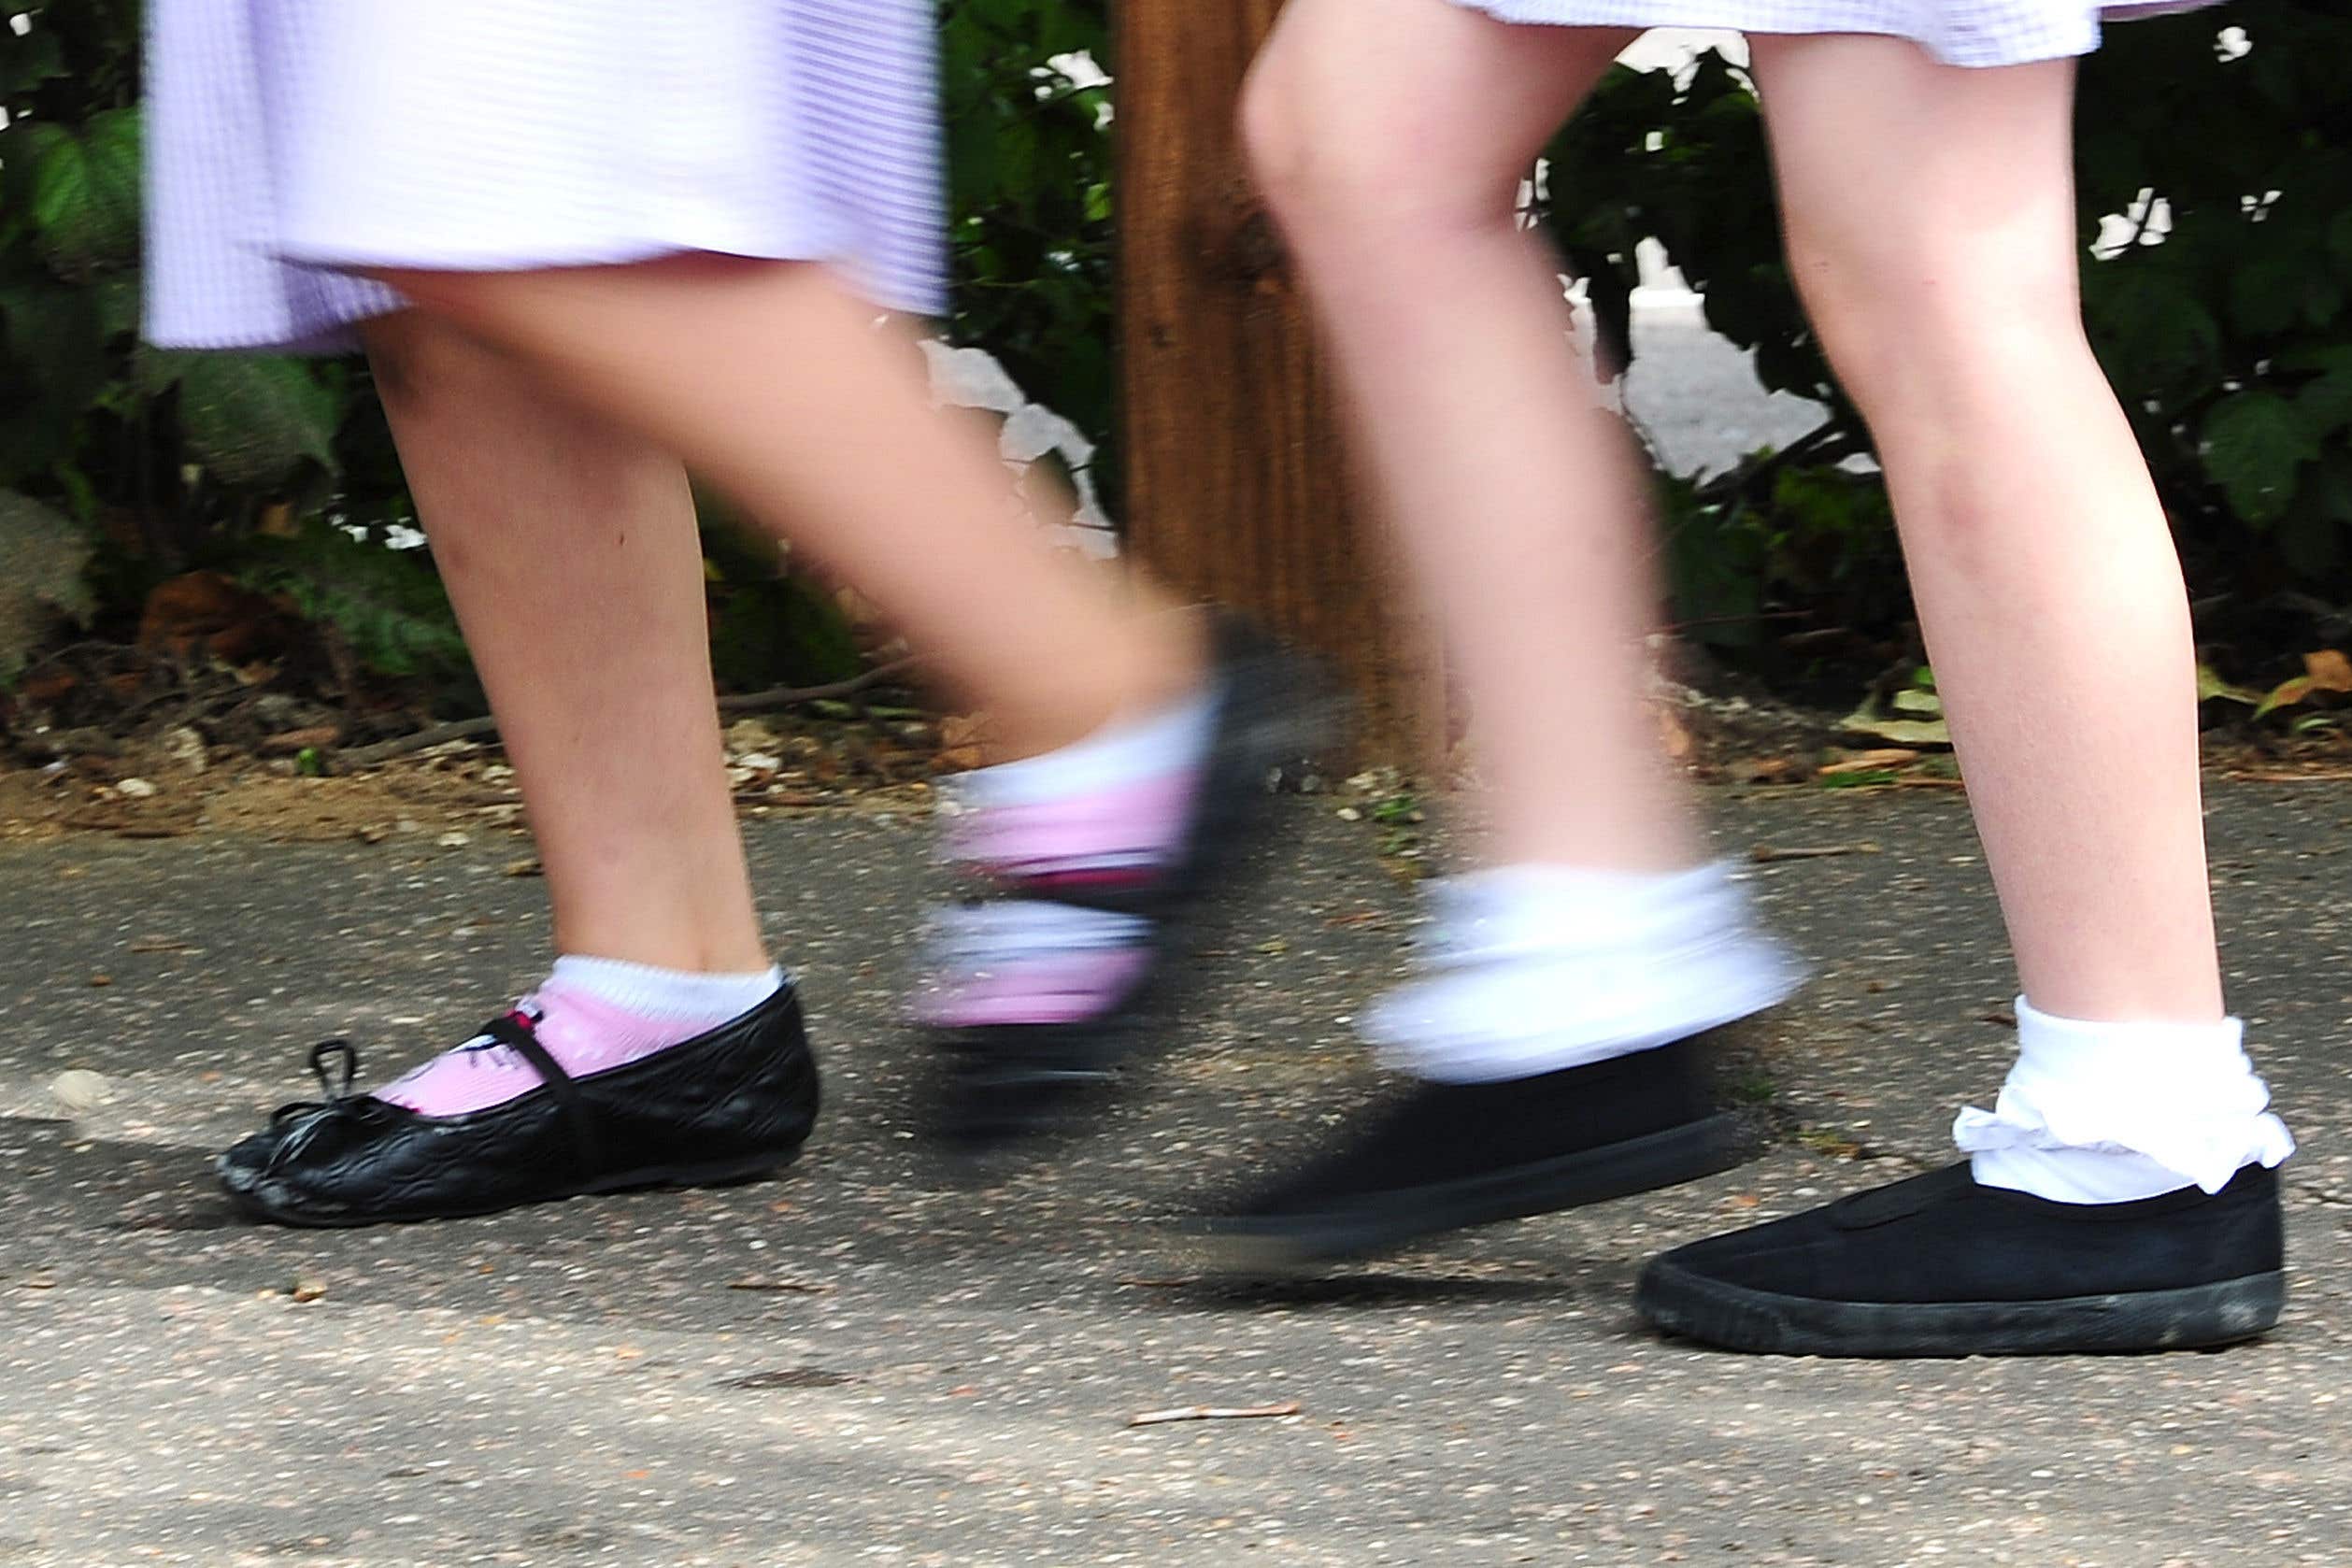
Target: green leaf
250, 421
2267, 295
118, 302
1898, 732
2254, 443
2152, 327
2325, 401
2211, 687
86, 195
2340, 236
54, 336
23, 146
2314, 534
387, 604
27, 60
46, 554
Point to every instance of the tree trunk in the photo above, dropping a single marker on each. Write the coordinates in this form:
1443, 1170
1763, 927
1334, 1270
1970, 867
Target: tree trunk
1237, 484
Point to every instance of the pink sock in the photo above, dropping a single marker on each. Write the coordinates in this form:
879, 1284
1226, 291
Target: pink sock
592, 1015
1110, 812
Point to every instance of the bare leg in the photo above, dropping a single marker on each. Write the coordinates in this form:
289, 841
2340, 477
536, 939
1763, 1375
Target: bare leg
569, 549
778, 384
1391, 137
1930, 224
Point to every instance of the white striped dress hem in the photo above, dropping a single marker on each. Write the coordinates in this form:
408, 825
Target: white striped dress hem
1981, 34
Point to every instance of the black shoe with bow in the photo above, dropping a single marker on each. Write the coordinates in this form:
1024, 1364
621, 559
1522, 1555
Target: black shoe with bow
727, 1106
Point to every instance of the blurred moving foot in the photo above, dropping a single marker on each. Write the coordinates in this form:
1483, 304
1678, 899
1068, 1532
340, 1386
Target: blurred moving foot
1093, 861
1447, 1156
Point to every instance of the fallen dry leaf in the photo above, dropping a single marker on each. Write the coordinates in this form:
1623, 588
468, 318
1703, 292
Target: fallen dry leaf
318, 737
1674, 735
1869, 762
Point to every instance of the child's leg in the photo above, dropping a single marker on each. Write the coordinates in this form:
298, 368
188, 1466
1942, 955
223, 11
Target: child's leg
1390, 138
1555, 1028
1139, 752
569, 549
1931, 224
777, 384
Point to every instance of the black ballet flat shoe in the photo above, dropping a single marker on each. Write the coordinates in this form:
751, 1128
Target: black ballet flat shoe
1448, 1155
1938, 1265
728, 1105
999, 1085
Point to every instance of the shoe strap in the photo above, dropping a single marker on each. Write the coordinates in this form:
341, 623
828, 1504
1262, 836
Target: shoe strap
517, 1035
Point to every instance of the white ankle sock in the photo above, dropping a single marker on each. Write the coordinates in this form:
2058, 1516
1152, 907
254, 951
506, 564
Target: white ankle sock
2109, 1113
1541, 967
1169, 740
654, 992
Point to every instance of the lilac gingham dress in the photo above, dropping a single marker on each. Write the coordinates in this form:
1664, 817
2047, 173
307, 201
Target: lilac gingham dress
1957, 32
289, 138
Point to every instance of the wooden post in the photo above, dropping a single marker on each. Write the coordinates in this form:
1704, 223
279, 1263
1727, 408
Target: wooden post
1237, 485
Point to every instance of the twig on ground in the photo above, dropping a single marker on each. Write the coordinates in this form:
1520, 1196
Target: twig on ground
751, 701
789, 696
1213, 1413
1764, 854
780, 1286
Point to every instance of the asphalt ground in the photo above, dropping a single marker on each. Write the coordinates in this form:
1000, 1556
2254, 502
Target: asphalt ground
860, 1363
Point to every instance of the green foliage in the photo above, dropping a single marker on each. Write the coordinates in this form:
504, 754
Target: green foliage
765, 626
2231, 339
175, 452
2227, 326
1030, 175
387, 607
154, 462
43, 584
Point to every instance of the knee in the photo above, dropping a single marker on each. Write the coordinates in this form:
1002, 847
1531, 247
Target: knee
1926, 336
422, 364
1335, 164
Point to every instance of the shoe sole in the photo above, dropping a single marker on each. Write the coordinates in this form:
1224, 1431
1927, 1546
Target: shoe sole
724, 1174
1292, 1243
1734, 1317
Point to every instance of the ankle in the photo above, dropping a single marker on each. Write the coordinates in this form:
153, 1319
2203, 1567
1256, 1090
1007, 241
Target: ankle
685, 948
1163, 658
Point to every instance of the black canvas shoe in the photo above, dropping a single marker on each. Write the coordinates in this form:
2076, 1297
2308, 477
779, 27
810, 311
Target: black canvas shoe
1940, 1266
728, 1105
1448, 1155
999, 1084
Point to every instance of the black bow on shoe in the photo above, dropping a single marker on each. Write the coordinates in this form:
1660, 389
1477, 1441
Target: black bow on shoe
299, 1124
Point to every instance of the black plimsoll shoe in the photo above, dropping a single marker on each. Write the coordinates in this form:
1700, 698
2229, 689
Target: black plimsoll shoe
1940, 1266
728, 1105
1448, 1155
999, 1084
